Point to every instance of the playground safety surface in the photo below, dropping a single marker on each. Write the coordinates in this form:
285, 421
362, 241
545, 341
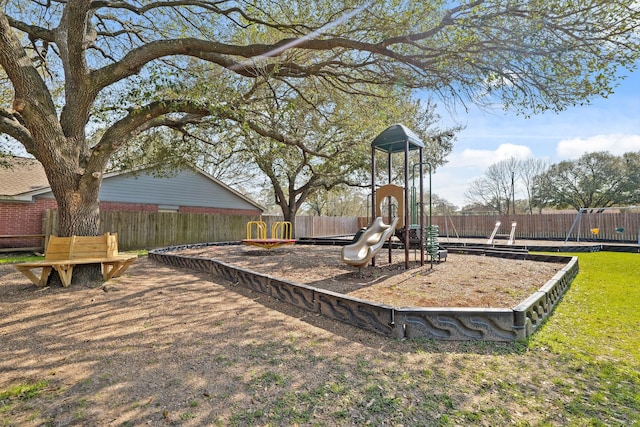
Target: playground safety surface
461, 281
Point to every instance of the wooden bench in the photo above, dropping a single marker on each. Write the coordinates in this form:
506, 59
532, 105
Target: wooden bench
63, 253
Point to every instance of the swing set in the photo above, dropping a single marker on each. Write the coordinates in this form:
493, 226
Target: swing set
596, 228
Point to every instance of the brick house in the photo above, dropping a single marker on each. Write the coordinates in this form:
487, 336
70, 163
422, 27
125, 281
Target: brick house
25, 194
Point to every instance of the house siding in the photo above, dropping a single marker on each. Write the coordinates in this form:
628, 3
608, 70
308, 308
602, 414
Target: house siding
139, 207
128, 207
187, 188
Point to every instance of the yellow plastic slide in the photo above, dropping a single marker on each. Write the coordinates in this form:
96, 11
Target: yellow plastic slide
369, 243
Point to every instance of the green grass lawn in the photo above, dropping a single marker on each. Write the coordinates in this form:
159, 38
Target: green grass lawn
599, 319
13, 259
596, 331
27, 257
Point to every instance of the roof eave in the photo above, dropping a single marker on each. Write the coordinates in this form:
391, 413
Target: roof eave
21, 198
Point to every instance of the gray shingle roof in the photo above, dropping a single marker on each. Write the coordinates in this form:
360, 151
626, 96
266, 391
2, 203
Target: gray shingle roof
23, 175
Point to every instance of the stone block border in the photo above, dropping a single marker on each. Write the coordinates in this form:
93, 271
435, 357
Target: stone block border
456, 324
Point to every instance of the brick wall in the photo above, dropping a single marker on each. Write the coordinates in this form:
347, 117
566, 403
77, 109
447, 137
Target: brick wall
222, 211
23, 218
129, 207
19, 219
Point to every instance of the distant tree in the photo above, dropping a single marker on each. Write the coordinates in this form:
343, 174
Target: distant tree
316, 203
340, 201
478, 208
442, 206
266, 197
597, 179
631, 187
482, 193
528, 170
496, 188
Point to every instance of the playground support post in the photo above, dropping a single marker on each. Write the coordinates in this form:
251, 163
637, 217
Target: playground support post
373, 193
421, 203
578, 220
389, 172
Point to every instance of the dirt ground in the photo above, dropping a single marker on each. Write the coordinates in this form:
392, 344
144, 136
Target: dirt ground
165, 346
460, 281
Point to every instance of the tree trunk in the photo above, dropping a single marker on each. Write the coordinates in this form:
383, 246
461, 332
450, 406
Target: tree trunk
289, 214
78, 214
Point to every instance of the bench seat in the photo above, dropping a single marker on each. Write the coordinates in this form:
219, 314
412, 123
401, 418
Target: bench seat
63, 253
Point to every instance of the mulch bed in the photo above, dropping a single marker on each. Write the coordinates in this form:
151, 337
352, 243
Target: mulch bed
461, 281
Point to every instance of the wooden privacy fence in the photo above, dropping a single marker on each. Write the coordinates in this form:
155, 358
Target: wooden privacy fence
319, 226
612, 226
147, 230
26, 242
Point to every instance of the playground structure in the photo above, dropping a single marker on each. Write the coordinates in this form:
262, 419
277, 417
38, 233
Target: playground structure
595, 229
280, 234
408, 223
511, 236
369, 243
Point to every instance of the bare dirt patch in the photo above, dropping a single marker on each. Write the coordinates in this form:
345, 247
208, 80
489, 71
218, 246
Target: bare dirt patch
461, 281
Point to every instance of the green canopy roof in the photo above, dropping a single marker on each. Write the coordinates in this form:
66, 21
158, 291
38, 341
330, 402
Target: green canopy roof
392, 139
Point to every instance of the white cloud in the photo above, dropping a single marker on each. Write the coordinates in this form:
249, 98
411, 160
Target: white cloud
616, 144
453, 179
485, 158
451, 184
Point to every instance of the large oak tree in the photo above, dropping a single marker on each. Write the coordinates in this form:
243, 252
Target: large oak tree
64, 62
333, 132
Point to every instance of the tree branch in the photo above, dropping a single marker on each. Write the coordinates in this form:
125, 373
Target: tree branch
12, 124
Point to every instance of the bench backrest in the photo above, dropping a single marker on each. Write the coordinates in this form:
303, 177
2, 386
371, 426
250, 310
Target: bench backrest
58, 248
81, 247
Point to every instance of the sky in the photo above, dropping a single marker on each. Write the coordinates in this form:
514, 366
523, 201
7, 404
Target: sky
611, 124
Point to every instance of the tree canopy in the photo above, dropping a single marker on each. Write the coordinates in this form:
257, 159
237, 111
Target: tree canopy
65, 62
594, 180
328, 134
496, 188
334, 133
